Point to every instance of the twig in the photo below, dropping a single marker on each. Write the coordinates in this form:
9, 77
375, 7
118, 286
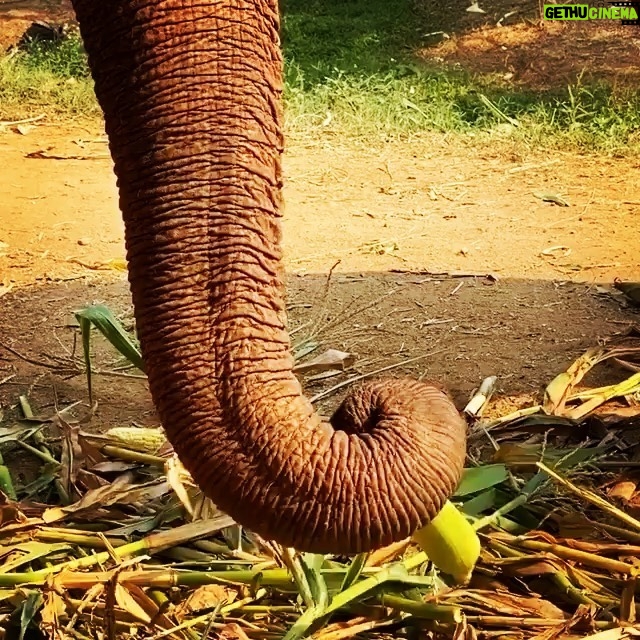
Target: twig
344, 316
117, 374
591, 497
10, 123
458, 287
323, 306
37, 363
528, 167
567, 553
346, 383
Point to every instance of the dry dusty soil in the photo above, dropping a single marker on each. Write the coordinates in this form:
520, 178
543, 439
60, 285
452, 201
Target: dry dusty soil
438, 250
443, 262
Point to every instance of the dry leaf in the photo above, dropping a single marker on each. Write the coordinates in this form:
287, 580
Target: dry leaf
551, 197
92, 454
464, 631
53, 609
475, 8
504, 603
619, 633
538, 565
72, 459
114, 466
623, 490
127, 602
5, 288
88, 480
149, 606
628, 601
24, 129
233, 631
206, 597
559, 389
116, 264
331, 359
10, 512
176, 473
114, 493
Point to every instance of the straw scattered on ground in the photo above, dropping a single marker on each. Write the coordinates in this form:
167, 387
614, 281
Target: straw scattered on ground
113, 540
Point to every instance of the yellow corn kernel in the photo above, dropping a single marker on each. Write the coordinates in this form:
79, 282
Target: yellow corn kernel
138, 438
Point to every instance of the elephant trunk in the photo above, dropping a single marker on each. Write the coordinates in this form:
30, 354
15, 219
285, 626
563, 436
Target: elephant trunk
191, 94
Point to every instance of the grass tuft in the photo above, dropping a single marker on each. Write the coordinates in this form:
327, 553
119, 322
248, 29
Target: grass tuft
47, 76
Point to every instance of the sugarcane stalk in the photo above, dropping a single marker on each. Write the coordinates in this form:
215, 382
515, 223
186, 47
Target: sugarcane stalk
426, 610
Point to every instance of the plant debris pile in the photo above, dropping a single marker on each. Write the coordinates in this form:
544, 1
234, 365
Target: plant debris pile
114, 540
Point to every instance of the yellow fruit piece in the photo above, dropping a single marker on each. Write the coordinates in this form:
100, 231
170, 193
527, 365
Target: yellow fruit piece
451, 543
138, 438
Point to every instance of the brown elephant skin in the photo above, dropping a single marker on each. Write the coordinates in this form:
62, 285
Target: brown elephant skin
191, 94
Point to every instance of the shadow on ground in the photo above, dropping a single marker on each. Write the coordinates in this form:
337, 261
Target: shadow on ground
509, 39
453, 18
445, 52
463, 329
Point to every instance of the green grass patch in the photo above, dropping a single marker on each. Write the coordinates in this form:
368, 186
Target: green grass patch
48, 76
350, 69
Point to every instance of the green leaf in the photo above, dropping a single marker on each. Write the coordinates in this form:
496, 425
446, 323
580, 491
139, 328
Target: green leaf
48, 475
313, 581
478, 479
395, 572
29, 551
102, 319
482, 502
30, 607
312, 565
304, 349
300, 627
497, 111
19, 433
6, 482
354, 571
567, 458
534, 483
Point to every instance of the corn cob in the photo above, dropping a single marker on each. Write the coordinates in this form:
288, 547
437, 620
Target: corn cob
138, 438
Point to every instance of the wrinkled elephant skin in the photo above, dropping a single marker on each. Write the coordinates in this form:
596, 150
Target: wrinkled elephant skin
191, 93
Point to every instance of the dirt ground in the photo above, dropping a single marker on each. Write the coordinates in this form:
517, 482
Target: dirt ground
440, 252
17, 15
546, 55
